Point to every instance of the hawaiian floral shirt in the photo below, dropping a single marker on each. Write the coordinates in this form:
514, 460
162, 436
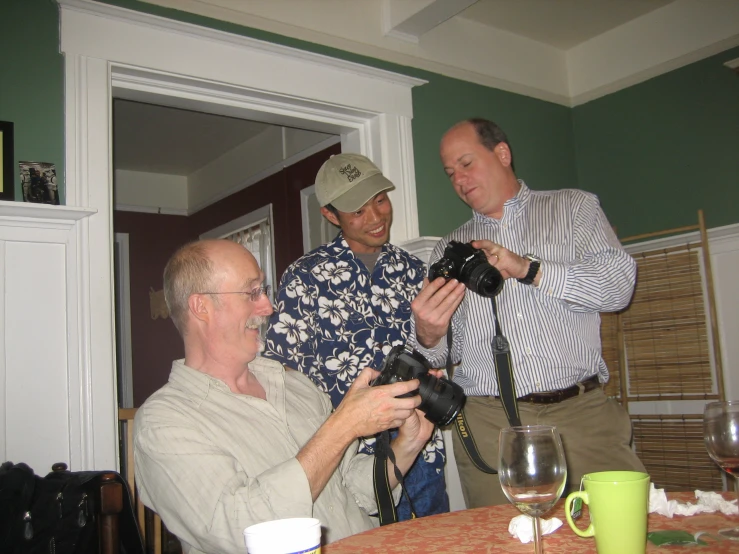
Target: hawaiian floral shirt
333, 318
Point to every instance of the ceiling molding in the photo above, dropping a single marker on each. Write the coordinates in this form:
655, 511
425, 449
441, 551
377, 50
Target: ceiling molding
150, 210
663, 39
149, 20
655, 71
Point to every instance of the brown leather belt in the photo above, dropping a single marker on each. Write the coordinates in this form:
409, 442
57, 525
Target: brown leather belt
555, 396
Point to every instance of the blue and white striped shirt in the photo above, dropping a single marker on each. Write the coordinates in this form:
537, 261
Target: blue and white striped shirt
553, 329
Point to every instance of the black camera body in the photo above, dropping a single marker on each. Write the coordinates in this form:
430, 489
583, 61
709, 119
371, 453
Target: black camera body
468, 265
441, 399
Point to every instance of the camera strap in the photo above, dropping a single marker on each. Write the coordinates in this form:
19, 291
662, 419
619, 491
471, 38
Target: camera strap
506, 388
383, 492
504, 372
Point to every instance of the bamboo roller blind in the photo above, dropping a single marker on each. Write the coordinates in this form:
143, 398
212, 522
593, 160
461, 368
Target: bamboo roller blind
664, 328
663, 334
674, 453
659, 348
611, 346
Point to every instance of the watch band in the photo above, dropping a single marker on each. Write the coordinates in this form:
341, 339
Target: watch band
533, 269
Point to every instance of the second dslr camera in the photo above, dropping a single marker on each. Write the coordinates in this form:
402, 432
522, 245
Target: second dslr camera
468, 265
441, 399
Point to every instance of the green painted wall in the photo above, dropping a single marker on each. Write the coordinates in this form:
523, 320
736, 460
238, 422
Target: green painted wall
654, 153
540, 134
32, 83
658, 151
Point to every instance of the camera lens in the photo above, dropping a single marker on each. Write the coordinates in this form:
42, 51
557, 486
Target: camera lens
441, 399
485, 280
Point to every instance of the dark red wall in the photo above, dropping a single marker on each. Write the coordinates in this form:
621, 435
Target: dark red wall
155, 343
153, 239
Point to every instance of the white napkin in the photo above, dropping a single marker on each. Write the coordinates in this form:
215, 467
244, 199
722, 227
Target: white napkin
522, 527
708, 502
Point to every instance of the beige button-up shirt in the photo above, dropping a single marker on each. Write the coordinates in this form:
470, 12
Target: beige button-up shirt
211, 462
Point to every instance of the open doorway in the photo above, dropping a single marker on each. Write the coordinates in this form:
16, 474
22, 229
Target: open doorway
180, 175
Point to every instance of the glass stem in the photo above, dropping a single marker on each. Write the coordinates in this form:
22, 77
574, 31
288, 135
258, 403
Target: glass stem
538, 549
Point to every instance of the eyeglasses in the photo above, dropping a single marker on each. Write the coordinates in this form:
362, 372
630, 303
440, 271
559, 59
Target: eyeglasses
254, 295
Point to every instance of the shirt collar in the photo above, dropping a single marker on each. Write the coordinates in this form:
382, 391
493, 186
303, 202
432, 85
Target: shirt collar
199, 385
512, 208
341, 247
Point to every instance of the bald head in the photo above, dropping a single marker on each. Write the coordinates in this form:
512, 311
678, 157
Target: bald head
198, 267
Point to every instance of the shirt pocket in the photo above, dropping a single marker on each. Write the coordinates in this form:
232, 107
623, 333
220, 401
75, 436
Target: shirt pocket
562, 252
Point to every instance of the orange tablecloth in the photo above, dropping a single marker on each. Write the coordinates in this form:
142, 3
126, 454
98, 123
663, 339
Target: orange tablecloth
485, 530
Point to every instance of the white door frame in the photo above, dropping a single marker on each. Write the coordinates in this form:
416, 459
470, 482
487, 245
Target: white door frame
111, 51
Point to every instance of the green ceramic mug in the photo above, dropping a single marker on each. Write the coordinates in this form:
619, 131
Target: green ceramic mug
618, 502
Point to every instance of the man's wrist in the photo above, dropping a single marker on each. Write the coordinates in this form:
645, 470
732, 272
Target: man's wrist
532, 270
407, 446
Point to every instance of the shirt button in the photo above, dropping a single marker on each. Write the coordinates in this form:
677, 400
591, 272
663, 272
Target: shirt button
538, 386
505, 226
550, 291
520, 316
528, 351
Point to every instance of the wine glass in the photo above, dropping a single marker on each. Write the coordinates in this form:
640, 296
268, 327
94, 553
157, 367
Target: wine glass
721, 433
532, 470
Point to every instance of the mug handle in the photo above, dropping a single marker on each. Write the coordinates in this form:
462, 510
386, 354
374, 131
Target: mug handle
590, 531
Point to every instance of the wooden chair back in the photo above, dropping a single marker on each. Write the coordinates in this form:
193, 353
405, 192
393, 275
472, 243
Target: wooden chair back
153, 532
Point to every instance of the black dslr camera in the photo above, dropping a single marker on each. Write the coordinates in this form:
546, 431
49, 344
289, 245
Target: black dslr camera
470, 266
441, 399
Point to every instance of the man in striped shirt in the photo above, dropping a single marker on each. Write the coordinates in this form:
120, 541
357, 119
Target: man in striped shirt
562, 265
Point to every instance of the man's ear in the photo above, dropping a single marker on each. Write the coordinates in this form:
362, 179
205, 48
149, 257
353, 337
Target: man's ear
199, 307
331, 216
503, 151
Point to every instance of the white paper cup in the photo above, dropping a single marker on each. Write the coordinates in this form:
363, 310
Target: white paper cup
299, 535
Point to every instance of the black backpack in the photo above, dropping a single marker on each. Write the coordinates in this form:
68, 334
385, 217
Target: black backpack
59, 513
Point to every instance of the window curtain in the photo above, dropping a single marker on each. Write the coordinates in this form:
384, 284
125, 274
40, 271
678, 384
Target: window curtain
257, 239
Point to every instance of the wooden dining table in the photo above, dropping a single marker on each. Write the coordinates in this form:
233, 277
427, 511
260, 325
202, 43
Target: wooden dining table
485, 530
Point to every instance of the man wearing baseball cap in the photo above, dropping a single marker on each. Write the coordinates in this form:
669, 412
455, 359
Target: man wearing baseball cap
343, 306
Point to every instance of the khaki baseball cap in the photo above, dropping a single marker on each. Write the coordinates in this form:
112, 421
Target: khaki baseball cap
348, 181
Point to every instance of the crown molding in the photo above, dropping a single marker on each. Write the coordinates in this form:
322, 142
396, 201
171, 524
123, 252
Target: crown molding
150, 20
150, 210
657, 70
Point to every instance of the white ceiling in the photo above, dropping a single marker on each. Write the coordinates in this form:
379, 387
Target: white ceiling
157, 139
559, 23
563, 51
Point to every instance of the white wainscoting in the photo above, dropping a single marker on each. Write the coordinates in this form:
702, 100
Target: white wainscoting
724, 248
41, 382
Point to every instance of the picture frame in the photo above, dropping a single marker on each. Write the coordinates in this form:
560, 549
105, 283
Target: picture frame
39, 183
7, 165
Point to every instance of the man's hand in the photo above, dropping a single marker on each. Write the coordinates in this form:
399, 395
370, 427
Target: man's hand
417, 429
364, 411
508, 263
367, 410
433, 309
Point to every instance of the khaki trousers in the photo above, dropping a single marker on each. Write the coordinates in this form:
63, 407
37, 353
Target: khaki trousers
596, 435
